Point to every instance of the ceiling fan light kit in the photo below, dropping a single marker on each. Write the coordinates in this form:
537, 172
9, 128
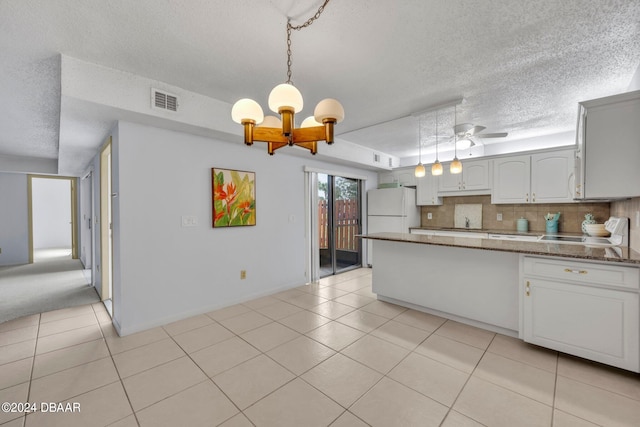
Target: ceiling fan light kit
286, 100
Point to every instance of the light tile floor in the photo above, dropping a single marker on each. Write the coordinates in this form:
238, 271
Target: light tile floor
318, 355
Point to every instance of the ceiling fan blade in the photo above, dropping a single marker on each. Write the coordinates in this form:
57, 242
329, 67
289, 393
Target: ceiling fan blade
476, 129
493, 135
462, 128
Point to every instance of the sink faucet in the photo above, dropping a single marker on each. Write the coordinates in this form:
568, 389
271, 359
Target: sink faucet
466, 222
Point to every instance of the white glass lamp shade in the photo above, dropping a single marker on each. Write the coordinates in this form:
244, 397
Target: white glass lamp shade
309, 122
464, 143
455, 166
247, 109
436, 168
329, 108
285, 95
419, 172
271, 122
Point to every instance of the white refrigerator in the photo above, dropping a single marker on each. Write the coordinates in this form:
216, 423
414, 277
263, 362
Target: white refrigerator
390, 210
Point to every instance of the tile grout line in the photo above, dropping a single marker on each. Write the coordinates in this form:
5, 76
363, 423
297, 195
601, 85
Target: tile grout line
467, 382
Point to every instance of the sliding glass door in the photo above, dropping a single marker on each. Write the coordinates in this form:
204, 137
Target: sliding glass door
339, 216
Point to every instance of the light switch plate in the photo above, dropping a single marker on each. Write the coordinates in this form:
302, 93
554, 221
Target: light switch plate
189, 221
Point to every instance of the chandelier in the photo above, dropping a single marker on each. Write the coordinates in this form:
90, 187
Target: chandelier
286, 100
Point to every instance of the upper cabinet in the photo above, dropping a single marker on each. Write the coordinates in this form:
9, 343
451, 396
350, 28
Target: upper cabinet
427, 190
609, 147
553, 177
547, 177
474, 179
405, 177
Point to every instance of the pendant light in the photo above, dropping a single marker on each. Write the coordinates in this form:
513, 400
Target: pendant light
456, 165
436, 168
419, 171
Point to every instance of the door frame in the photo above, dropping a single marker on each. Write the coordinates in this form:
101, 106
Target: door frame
74, 211
312, 258
106, 240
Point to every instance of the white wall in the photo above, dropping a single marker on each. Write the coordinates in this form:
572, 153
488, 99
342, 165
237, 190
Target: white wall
51, 208
635, 81
14, 219
163, 271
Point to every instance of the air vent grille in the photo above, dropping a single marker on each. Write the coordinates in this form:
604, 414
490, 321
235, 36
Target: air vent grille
376, 158
163, 100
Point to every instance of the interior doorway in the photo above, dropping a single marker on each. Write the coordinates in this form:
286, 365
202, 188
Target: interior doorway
52, 217
339, 221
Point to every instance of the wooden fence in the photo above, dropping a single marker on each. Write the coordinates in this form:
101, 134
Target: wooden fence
346, 224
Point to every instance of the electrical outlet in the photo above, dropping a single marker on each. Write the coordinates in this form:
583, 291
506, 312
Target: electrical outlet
243, 274
429, 215
499, 217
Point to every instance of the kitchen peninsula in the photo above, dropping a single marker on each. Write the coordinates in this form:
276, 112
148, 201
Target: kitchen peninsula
574, 298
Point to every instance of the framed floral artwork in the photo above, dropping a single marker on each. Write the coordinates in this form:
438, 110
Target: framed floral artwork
234, 197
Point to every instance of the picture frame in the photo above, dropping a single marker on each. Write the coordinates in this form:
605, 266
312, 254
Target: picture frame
233, 198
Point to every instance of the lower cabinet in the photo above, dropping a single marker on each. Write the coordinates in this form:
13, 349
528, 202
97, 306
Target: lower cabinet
588, 310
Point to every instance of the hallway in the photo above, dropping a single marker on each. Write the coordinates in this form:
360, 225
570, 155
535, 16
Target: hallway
52, 282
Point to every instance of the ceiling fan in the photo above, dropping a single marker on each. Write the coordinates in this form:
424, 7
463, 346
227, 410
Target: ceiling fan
466, 131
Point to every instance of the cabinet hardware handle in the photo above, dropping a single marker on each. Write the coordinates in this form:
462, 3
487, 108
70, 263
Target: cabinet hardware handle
527, 289
569, 270
534, 197
527, 196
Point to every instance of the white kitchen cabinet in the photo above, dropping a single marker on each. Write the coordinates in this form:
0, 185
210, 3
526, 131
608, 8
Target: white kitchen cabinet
586, 309
474, 179
553, 177
427, 190
404, 177
608, 147
546, 177
511, 180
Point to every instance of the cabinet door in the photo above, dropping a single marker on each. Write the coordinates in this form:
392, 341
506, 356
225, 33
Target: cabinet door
553, 177
406, 177
475, 175
594, 323
386, 178
511, 180
427, 190
610, 146
448, 181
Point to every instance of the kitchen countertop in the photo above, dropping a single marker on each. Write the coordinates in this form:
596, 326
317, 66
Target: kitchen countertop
616, 254
486, 230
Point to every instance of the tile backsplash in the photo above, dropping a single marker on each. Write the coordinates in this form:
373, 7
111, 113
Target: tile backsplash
629, 209
572, 214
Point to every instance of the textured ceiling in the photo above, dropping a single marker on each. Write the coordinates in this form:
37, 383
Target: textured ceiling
520, 66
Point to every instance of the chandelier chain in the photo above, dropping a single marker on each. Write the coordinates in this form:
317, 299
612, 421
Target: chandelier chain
298, 28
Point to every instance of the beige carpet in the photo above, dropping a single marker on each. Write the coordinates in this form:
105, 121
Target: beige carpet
50, 283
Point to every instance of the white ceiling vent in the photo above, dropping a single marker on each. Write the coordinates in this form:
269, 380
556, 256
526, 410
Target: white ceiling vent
163, 100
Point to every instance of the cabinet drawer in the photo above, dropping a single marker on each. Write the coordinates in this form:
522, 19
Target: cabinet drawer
583, 272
